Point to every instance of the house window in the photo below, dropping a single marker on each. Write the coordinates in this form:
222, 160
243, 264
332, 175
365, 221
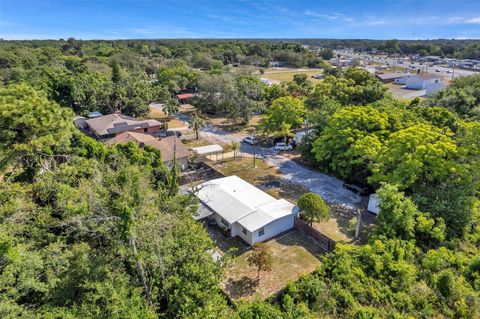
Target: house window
224, 222
261, 231
244, 230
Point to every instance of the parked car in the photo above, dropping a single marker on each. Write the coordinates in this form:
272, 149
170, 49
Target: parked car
448, 71
437, 70
169, 133
250, 140
283, 147
357, 189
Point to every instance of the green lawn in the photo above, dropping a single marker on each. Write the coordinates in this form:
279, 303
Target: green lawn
288, 75
293, 256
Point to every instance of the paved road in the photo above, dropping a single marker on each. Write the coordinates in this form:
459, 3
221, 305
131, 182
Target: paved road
330, 188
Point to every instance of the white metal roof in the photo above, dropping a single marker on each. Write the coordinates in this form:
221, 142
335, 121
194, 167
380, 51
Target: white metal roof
238, 201
207, 150
267, 213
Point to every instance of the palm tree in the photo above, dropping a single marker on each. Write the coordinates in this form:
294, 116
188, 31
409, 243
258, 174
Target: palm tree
234, 146
196, 123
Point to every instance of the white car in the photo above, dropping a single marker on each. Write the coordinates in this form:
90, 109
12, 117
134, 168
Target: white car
283, 147
250, 140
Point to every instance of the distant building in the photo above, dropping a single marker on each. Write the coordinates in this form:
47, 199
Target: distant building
391, 77
93, 115
422, 81
167, 146
184, 97
111, 125
341, 62
278, 64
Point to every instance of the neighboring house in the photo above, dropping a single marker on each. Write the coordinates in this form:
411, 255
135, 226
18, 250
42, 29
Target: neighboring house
93, 115
422, 81
245, 210
111, 125
167, 146
184, 97
80, 122
392, 77
341, 62
278, 64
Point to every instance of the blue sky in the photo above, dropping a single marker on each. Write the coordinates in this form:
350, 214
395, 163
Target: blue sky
122, 19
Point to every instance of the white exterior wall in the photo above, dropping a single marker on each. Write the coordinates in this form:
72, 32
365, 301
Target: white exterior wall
373, 204
273, 229
247, 237
415, 82
402, 80
433, 88
218, 220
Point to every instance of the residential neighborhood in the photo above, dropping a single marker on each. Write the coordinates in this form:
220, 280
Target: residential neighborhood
239, 159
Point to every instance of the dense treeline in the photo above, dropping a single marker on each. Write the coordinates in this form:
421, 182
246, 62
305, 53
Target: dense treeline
462, 49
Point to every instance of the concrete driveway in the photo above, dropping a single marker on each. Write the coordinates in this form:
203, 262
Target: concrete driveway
330, 188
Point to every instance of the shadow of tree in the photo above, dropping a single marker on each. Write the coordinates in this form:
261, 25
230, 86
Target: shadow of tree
242, 287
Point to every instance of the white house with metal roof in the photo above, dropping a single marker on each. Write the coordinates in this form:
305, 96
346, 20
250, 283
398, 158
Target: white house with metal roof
245, 210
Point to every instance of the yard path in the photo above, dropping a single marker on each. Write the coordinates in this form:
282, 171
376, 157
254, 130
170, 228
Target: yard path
330, 188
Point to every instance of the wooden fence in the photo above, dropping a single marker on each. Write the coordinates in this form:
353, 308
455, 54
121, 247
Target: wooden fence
326, 243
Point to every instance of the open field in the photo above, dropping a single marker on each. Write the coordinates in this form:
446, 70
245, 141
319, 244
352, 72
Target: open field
287, 75
293, 255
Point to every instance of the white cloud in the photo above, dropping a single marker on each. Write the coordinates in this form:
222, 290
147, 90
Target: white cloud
464, 20
336, 16
474, 20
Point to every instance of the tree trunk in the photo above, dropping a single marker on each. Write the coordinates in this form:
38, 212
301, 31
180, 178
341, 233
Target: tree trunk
141, 271
196, 132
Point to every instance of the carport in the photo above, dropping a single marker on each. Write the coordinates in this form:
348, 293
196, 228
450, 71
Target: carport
204, 151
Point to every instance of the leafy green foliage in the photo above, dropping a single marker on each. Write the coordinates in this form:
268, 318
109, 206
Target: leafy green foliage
313, 208
352, 141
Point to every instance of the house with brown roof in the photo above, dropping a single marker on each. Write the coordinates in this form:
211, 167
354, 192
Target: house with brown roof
397, 77
111, 125
170, 147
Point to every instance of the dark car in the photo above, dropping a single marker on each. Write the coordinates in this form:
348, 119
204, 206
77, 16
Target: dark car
360, 190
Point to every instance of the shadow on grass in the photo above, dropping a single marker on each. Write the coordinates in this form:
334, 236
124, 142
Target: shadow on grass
242, 287
294, 237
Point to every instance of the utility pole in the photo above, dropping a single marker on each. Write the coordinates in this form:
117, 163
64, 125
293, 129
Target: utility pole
453, 69
254, 145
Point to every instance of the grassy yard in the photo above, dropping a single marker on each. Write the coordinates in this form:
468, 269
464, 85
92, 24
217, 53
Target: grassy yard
236, 129
288, 75
339, 228
293, 256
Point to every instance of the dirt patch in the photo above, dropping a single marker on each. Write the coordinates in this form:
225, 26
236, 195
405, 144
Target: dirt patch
293, 255
341, 225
